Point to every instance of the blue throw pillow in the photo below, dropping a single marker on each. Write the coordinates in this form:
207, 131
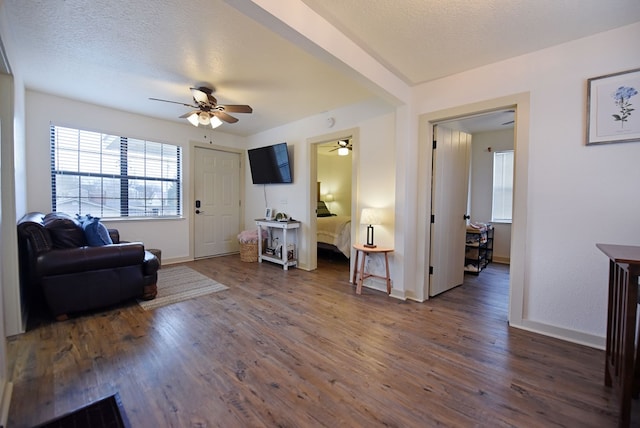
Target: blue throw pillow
95, 232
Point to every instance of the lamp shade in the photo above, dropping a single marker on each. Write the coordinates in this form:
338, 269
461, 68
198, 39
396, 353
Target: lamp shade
193, 119
370, 216
343, 151
215, 122
328, 197
204, 119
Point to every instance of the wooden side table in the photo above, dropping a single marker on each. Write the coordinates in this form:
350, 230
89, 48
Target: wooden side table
620, 371
360, 248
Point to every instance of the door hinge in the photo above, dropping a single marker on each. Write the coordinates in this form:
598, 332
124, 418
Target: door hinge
433, 218
435, 143
430, 270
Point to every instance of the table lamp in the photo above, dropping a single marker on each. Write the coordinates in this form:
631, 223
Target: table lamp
370, 216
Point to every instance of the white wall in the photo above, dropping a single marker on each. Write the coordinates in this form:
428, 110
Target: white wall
374, 168
577, 195
173, 237
482, 186
334, 175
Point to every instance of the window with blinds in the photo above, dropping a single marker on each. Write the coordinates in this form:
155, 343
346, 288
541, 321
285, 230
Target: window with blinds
109, 176
501, 211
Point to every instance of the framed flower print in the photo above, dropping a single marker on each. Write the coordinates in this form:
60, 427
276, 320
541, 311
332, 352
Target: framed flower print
612, 114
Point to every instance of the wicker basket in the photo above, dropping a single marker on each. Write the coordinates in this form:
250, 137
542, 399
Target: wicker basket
249, 252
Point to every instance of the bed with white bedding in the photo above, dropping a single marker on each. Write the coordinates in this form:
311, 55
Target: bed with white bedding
333, 231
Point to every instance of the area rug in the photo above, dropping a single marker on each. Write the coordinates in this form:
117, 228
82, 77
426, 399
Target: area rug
176, 284
107, 412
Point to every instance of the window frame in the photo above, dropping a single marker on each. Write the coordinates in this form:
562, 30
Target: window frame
494, 195
169, 181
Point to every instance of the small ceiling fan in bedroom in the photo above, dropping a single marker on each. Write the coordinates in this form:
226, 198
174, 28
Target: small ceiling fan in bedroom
208, 111
344, 146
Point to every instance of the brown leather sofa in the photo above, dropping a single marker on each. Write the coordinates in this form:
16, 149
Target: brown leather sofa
57, 266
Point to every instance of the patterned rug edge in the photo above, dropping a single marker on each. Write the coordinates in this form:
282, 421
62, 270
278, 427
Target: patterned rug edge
196, 281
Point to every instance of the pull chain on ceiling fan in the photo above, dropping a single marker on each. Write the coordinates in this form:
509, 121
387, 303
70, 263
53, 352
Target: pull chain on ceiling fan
209, 112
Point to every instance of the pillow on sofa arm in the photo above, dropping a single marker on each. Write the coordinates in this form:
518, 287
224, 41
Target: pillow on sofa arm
65, 231
95, 232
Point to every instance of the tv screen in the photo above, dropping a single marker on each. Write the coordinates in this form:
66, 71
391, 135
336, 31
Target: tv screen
270, 164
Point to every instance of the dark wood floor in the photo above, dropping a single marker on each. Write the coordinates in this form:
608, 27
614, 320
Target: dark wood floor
297, 348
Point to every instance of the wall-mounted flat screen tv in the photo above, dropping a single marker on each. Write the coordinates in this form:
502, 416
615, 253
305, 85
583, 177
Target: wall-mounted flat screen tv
270, 164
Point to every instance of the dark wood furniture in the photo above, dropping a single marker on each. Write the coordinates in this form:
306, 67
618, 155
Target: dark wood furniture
622, 358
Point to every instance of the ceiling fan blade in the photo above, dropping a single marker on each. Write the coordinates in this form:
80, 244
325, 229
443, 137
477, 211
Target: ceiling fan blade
173, 102
237, 108
224, 116
184, 116
333, 150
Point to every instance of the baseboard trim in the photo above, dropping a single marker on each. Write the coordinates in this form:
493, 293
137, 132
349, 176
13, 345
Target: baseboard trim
590, 340
176, 260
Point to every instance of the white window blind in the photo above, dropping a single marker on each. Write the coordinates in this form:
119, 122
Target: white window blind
110, 176
502, 204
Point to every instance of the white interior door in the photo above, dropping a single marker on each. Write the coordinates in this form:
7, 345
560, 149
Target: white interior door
217, 206
450, 189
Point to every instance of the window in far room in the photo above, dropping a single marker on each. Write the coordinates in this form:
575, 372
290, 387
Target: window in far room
501, 209
109, 176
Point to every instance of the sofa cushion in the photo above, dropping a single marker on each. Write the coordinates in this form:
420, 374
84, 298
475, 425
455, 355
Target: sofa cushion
95, 232
65, 231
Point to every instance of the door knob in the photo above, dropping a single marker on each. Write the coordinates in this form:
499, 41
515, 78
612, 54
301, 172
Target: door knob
466, 217
199, 212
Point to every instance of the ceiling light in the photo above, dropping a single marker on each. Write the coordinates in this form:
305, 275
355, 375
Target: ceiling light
203, 118
215, 122
343, 151
193, 119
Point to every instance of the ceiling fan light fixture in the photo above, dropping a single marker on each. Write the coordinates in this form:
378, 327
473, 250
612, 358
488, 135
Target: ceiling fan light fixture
343, 151
193, 119
215, 122
203, 118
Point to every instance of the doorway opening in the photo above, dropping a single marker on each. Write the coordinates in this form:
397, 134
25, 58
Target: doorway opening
517, 254
332, 197
463, 224
333, 214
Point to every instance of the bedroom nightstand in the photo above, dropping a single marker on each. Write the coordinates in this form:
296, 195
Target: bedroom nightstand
360, 248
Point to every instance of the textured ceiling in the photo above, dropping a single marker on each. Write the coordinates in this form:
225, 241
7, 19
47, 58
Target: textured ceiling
422, 40
119, 53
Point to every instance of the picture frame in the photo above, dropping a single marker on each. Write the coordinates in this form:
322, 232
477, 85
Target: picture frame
269, 214
612, 113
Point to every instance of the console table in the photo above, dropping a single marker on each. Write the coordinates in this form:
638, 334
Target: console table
286, 251
365, 252
622, 357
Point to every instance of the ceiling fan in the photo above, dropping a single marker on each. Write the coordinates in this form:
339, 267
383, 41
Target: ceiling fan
208, 111
343, 147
